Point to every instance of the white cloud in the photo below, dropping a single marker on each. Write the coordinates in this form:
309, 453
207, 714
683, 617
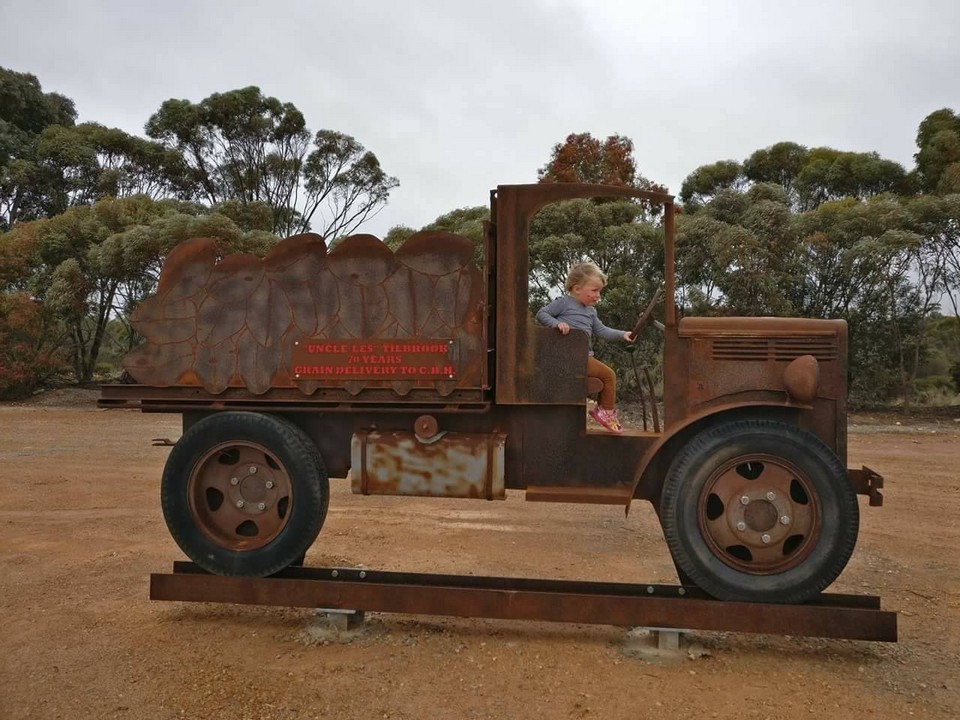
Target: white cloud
455, 97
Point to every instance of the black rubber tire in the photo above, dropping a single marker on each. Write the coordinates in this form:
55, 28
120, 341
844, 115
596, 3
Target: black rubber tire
688, 506
296, 457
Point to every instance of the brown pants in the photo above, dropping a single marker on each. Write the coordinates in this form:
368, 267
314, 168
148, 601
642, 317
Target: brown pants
608, 396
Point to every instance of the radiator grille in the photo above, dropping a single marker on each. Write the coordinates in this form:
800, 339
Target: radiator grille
780, 349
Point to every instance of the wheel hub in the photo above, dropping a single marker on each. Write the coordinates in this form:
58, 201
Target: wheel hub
239, 495
758, 514
255, 490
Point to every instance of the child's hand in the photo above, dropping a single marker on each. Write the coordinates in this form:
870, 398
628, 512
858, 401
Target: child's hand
628, 336
563, 328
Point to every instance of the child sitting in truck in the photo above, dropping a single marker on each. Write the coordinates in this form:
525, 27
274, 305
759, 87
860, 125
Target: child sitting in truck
576, 310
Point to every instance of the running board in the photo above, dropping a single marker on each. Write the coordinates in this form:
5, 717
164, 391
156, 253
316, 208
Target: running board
597, 496
852, 617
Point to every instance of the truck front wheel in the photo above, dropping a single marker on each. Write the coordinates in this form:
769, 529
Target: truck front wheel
759, 511
244, 493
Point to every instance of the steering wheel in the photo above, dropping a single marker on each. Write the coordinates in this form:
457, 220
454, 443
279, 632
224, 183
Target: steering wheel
647, 315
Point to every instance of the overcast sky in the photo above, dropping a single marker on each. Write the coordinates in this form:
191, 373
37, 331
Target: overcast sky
457, 97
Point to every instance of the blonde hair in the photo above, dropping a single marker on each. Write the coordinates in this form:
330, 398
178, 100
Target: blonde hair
582, 272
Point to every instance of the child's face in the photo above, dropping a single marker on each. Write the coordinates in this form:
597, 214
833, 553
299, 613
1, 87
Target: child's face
588, 292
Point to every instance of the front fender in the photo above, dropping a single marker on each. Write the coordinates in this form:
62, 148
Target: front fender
658, 456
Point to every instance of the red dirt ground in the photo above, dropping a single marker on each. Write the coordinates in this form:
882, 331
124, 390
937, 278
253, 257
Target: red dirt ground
81, 530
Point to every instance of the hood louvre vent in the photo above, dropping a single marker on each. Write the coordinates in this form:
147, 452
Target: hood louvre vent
778, 349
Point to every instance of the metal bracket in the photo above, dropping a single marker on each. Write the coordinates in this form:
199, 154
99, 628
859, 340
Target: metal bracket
867, 482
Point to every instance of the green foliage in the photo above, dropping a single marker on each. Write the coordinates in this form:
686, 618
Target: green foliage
629, 251
244, 147
25, 112
778, 164
397, 236
938, 154
94, 263
707, 180
829, 174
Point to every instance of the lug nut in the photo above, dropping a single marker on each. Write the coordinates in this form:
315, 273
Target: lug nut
784, 519
771, 496
234, 481
261, 506
765, 538
253, 469
741, 526
269, 484
744, 500
239, 503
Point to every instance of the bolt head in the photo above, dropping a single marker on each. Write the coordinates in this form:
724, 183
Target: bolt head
784, 519
253, 469
771, 496
744, 500
234, 481
239, 503
765, 538
269, 484
261, 506
741, 526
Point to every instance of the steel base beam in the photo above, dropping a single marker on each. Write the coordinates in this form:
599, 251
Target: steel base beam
852, 617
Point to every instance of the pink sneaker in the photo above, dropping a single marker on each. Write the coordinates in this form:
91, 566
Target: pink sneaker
607, 418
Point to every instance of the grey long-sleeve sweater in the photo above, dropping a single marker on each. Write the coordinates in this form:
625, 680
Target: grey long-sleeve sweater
578, 316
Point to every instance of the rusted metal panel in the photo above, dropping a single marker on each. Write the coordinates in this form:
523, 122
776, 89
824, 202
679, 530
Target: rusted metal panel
720, 360
241, 322
530, 599
461, 465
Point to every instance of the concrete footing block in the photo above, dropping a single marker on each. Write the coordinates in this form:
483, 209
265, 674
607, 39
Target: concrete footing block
342, 620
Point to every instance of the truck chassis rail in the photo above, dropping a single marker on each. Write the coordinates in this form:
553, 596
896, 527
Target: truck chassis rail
829, 615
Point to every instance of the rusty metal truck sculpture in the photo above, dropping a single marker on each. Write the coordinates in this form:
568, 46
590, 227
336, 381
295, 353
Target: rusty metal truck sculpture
417, 372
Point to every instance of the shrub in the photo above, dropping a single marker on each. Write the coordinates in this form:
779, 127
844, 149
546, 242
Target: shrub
29, 352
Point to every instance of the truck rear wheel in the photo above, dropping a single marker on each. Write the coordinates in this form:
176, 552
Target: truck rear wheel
244, 493
759, 511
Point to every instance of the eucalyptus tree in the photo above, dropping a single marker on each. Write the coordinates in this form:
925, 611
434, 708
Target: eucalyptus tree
246, 147
25, 112
938, 152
